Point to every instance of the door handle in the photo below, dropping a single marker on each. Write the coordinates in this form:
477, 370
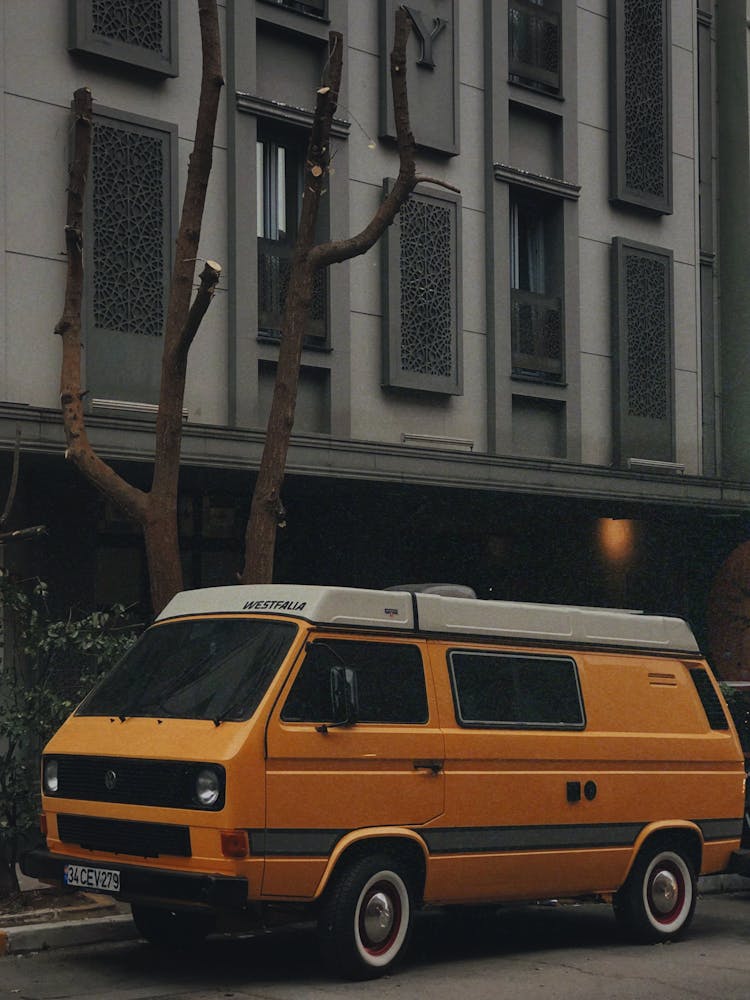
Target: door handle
436, 766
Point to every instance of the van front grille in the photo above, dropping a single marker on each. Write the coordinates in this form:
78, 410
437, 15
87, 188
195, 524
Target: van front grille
119, 836
129, 780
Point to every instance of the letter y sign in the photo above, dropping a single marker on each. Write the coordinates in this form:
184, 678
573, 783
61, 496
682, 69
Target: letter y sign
426, 38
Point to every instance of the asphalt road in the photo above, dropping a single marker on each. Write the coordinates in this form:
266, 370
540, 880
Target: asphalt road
546, 952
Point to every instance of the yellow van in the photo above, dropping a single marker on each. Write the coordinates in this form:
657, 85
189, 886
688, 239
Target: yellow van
352, 755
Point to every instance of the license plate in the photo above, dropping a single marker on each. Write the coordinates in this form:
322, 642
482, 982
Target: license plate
98, 879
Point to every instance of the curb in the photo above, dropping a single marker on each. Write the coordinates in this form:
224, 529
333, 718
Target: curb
63, 934
711, 884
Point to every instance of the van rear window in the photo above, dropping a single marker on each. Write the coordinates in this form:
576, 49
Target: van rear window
515, 690
709, 699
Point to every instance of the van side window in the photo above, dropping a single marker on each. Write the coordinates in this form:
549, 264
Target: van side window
709, 699
390, 682
513, 689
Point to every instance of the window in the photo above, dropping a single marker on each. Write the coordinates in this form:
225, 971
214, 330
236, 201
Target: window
709, 699
128, 246
204, 668
422, 312
514, 690
142, 34
390, 682
280, 160
641, 133
534, 44
536, 277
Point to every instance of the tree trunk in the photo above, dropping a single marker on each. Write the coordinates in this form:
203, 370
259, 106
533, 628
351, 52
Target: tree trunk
267, 509
156, 511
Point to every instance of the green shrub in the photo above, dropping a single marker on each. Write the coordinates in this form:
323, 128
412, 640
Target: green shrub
51, 664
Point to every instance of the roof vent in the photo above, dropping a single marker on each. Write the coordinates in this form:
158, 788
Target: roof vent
440, 589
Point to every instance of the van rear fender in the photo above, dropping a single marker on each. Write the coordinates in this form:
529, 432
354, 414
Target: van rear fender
671, 833
403, 843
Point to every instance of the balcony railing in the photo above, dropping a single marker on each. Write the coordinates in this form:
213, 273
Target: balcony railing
534, 44
274, 268
536, 334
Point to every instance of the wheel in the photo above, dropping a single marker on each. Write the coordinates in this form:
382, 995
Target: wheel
173, 929
657, 901
365, 920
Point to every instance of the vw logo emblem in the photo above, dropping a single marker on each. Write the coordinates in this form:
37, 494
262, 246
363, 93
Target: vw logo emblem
110, 780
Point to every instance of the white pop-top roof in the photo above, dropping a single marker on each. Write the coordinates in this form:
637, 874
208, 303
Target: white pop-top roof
430, 612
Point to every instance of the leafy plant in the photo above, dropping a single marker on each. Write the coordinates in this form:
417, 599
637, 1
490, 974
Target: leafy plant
51, 664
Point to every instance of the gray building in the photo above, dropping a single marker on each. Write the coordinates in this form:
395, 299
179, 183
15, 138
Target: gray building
537, 387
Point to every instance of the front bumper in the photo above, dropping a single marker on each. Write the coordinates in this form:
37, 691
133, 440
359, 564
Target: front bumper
138, 884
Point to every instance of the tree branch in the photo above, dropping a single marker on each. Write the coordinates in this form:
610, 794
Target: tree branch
22, 533
437, 181
208, 280
339, 250
79, 450
179, 330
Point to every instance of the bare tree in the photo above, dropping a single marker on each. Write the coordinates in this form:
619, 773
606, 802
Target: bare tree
156, 510
267, 509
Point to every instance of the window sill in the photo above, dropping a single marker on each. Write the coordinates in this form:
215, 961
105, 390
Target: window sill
539, 379
534, 88
265, 337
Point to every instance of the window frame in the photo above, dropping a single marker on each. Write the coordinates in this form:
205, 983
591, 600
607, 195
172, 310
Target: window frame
550, 221
638, 436
522, 74
275, 136
512, 725
146, 395
393, 374
83, 39
621, 193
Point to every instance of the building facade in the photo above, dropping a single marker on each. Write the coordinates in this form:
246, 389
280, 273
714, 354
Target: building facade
536, 386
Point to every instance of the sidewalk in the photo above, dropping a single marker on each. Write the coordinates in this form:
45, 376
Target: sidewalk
100, 918
93, 918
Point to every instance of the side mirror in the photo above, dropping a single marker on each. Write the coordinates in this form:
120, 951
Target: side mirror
344, 700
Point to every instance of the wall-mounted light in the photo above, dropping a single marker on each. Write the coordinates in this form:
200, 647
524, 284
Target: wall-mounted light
616, 539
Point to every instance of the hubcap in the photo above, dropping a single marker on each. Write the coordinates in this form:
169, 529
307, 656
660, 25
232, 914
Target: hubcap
378, 918
665, 891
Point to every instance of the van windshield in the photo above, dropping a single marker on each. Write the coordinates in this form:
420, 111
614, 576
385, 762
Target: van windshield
205, 668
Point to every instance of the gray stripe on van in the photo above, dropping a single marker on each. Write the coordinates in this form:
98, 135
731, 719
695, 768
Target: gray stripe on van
483, 840
720, 829
294, 843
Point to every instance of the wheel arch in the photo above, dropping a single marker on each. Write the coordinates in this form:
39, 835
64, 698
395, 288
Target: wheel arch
672, 833
401, 842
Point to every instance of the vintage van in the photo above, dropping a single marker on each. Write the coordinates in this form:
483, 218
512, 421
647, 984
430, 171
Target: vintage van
352, 755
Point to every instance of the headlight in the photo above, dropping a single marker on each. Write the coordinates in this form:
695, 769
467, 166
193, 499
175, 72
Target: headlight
207, 787
50, 777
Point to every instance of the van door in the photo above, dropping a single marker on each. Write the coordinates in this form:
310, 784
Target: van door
323, 779
513, 724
